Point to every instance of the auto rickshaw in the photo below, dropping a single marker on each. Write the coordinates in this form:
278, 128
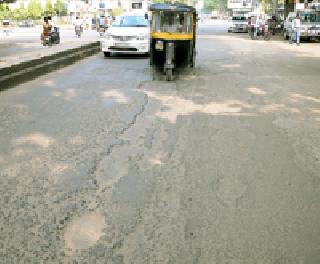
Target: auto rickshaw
173, 37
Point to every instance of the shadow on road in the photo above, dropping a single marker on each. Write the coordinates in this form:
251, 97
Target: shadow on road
128, 56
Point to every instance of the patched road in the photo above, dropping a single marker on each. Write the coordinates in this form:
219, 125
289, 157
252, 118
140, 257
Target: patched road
100, 164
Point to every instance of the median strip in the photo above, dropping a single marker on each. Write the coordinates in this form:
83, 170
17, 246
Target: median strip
31, 69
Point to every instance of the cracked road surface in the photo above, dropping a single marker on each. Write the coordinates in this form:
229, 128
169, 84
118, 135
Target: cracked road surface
100, 164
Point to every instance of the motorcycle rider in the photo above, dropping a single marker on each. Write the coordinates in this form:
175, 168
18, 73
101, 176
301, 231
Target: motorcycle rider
46, 29
78, 26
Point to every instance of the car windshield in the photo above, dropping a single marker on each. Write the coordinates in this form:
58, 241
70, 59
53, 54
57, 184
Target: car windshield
239, 18
309, 17
130, 21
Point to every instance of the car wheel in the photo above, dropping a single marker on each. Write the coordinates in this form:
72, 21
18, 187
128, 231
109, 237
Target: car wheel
106, 54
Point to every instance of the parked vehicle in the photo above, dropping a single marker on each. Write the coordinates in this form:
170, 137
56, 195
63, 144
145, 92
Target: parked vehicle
215, 14
239, 24
266, 33
78, 30
6, 27
173, 37
129, 34
310, 24
26, 23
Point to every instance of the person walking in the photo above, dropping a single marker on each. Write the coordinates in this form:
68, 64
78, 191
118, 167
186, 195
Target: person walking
257, 26
295, 27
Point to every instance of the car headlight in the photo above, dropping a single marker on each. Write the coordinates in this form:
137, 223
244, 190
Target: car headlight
142, 37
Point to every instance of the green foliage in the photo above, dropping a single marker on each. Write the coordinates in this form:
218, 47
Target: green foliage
48, 10
19, 14
4, 11
34, 9
60, 8
220, 5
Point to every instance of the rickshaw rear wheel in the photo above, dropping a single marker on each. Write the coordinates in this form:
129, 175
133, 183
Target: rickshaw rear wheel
154, 73
193, 62
169, 75
106, 54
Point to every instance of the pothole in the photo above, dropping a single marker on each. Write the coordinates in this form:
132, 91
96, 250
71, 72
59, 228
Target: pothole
84, 231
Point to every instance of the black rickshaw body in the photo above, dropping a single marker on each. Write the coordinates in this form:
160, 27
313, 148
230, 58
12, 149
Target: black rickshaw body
55, 36
172, 36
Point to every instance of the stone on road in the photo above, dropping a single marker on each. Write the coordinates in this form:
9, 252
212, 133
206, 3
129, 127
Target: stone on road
100, 164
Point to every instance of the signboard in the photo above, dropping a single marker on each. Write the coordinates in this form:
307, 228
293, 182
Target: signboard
239, 4
299, 6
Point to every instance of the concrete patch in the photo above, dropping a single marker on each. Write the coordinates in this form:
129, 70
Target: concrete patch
84, 231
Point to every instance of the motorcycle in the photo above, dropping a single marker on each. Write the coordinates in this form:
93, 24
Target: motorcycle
46, 40
78, 31
101, 30
262, 31
52, 37
266, 33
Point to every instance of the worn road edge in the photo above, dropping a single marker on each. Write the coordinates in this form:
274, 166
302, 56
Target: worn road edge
28, 70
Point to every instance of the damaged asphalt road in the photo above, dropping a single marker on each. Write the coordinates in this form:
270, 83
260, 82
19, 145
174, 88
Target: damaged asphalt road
100, 164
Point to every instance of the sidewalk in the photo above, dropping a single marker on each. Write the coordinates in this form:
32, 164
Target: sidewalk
24, 45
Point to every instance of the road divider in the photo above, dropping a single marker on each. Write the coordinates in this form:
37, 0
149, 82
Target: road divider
31, 69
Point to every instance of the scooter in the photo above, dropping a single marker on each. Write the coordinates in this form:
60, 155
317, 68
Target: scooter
266, 33
101, 30
46, 40
52, 37
262, 31
78, 30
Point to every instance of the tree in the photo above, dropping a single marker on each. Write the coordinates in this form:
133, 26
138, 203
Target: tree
116, 11
220, 5
60, 8
19, 13
4, 11
34, 9
48, 10
6, 1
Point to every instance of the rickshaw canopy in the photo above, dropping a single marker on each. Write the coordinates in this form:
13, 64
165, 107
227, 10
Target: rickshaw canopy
172, 7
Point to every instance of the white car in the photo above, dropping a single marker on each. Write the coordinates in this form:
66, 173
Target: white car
239, 24
128, 34
310, 24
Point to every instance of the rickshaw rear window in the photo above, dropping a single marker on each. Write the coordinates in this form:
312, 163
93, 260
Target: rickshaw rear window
172, 22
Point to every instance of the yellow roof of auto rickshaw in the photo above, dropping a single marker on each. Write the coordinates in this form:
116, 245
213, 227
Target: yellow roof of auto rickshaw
172, 7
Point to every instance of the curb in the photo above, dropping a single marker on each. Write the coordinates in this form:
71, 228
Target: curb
29, 70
